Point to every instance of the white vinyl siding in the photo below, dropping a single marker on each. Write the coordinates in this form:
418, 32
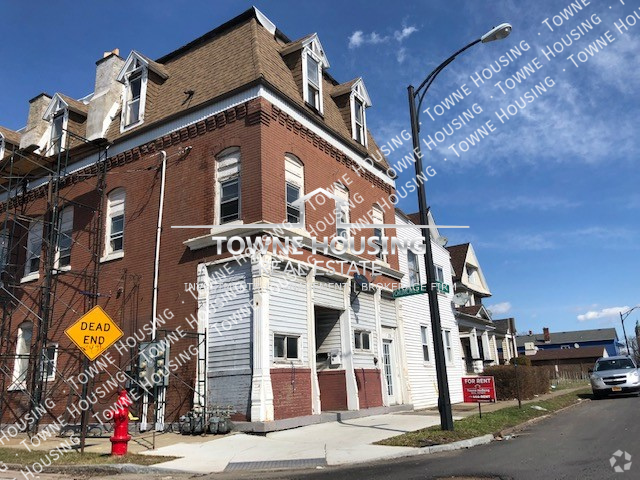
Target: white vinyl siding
328, 293
363, 319
415, 315
288, 310
388, 312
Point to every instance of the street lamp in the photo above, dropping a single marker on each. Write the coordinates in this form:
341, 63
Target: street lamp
444, 401
623, 317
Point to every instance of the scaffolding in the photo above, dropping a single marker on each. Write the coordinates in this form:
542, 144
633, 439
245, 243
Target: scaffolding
17, 172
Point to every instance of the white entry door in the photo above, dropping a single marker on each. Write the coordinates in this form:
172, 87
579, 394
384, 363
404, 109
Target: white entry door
388, 363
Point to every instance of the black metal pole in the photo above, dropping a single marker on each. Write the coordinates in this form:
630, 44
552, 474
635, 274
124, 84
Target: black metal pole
444, 401
624, 332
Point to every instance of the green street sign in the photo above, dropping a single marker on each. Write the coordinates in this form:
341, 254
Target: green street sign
419, 289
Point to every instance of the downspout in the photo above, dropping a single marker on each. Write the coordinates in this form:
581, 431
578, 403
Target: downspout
156, 261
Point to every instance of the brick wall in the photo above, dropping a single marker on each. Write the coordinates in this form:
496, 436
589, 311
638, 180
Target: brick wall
291, 392
369, 387
333, 390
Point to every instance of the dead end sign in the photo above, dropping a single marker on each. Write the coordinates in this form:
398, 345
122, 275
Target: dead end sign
94, 332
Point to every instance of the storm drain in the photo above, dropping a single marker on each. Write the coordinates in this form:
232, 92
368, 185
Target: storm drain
277, 464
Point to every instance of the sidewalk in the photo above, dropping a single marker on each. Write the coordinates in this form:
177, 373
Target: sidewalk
332, 443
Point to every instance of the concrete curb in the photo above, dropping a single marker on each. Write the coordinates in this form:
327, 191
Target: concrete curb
113, 469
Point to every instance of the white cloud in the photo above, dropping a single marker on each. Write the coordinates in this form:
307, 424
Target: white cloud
604, 313
401, 54
500, 308
400, 35
358, 38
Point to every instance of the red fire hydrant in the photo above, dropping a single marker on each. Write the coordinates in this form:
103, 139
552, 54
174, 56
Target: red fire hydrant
120, 417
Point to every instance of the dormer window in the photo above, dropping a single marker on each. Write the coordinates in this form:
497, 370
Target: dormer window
135, 75
313, 90
135, 93
58, 127
359, 102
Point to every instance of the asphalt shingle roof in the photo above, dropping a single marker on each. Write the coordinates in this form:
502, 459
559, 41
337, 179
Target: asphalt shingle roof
601, 334
568, 353
458, 257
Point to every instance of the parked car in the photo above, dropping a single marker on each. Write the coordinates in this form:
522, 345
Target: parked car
612, 375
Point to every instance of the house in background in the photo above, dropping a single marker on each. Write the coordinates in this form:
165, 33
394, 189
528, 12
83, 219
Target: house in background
573, 363
506, 339
417, 334
476, 328
602, 337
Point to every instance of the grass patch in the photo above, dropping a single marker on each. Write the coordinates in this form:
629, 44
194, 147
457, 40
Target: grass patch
21, 456
490, 423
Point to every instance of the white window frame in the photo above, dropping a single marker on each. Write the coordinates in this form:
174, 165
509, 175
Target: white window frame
228, 167
413, 272
2, 146
54, 142
45, 361
294, 176
65, 228
355, 127
116, 206
138, 67
377, 218
34, 249
306, 53
360, 334
343, 194
286, 337
20, 363
448, 346
424, 338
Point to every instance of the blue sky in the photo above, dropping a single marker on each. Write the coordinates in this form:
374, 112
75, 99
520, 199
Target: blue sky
551, 195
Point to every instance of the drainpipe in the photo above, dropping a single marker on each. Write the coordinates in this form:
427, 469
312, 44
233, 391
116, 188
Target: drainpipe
156, 261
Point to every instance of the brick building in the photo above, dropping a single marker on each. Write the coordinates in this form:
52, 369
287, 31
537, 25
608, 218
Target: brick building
229, 130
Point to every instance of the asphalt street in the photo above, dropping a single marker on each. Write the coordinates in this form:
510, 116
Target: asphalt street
577, 443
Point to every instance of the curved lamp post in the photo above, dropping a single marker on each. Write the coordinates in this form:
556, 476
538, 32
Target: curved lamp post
444, 401
623, 317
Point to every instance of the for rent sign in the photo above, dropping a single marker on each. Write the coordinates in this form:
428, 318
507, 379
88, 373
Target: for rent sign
478, 389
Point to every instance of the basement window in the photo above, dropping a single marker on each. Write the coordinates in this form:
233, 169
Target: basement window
285, 347
362, 340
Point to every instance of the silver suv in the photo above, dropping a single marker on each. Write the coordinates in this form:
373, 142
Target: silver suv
615, 375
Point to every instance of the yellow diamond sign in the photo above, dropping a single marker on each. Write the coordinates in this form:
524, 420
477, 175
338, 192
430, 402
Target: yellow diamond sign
94, 332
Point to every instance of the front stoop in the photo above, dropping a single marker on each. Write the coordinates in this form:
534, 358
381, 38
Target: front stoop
288, 423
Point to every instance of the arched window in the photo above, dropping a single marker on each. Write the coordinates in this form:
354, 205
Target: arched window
294, 188
228, 185
65, 231
114, 231
342, 210
377, 218
23, 347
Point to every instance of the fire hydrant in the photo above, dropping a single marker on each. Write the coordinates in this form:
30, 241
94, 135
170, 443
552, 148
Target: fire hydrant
120, 417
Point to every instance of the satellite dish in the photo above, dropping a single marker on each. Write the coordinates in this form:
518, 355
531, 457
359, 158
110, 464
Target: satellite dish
442, 241
576, 345
460, 299
361, 282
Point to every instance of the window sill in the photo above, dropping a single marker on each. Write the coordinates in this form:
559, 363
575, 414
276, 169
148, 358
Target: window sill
16, 387
286, 362
112, 256
66, 268
218, 230
31, 277
131, 126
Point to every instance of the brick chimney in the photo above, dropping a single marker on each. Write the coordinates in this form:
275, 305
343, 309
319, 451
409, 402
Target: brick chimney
547, 336
36, 126
107, 94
